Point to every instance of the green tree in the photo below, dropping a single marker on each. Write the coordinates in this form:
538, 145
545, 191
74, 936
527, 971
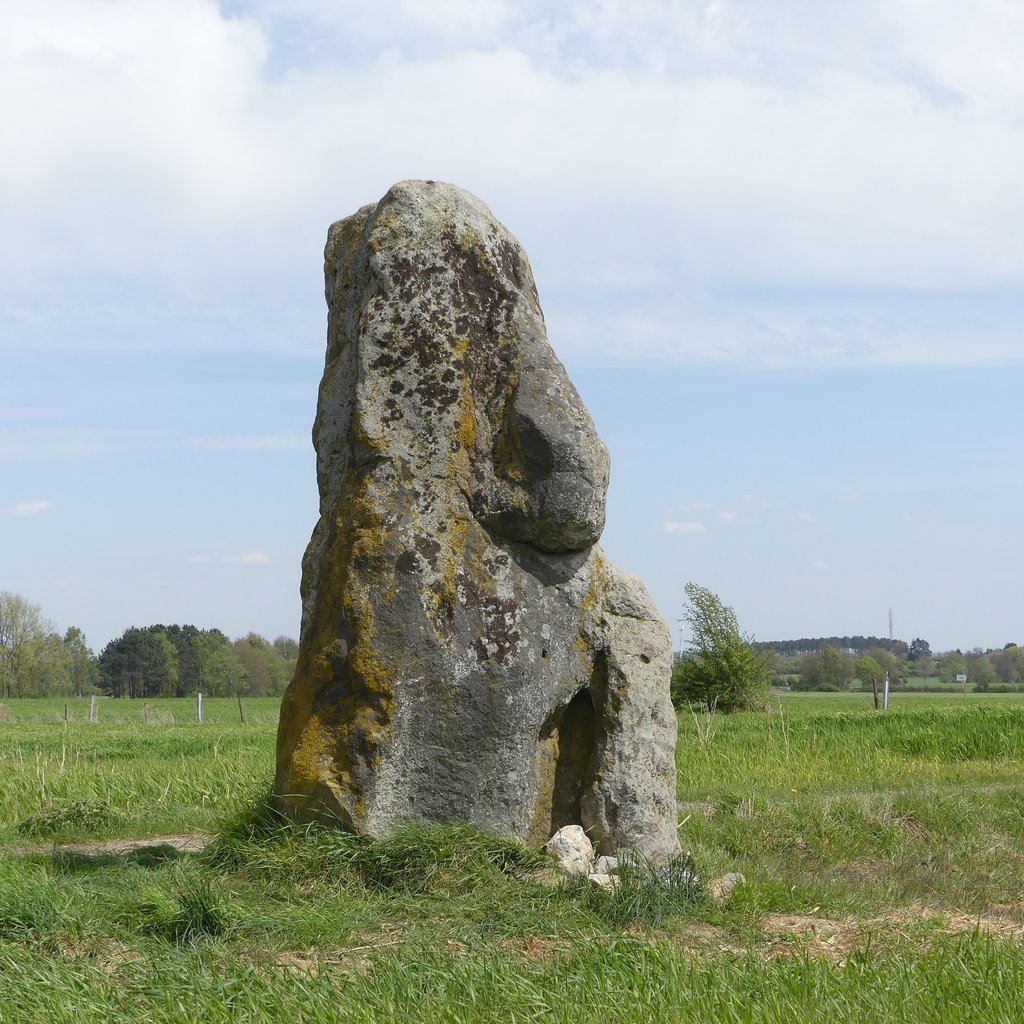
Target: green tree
263, 671
980, 671
22, 629
139, 663
888, 663
836, 668
1009, 664
867, 670
808, 671
721, 666
82, 665
220, 670
918, 648
950, 666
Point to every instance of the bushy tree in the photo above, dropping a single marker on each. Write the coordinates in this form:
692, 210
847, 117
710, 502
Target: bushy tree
264, 670
721, 665
868, 671
888, 663
918, 648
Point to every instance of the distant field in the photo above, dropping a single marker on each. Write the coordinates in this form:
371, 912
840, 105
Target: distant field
897, 698
883, 857
166, 775
158, 710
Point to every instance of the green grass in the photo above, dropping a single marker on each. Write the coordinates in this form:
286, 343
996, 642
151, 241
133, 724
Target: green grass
883, 857
169, 775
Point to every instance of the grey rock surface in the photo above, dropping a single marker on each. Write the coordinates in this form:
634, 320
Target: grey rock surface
571, 850
721, 888
467, 652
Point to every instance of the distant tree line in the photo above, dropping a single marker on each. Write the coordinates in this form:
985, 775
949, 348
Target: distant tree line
810, 645
909, 666
175, 661
154, 661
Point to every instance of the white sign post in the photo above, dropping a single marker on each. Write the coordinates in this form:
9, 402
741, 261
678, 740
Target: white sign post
961, 678
885, 693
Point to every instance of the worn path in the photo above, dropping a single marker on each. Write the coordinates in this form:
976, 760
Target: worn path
189, 842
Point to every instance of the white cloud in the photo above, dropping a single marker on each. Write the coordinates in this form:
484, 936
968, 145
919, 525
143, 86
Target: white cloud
821, 564
29, 508
684, 526
727, 181
728, 517
805, 517
197, 559
250, 558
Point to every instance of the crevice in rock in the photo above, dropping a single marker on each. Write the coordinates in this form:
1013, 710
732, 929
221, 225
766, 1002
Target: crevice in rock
568, 740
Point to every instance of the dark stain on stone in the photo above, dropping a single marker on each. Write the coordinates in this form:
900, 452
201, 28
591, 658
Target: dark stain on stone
428, 549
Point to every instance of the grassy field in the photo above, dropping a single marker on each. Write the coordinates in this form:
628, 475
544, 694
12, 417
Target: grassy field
165, 774
883, 860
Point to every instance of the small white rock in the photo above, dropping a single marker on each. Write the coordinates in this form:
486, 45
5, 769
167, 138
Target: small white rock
719, 888
606, 866
571, 850
601, 880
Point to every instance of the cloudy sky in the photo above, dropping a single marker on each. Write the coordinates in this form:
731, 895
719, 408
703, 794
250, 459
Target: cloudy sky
780, 248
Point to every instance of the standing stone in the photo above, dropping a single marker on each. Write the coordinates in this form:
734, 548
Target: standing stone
467, 651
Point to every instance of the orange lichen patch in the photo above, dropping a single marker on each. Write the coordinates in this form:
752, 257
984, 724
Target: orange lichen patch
316, 744
593, 602
546, 762
310, 756
441, 592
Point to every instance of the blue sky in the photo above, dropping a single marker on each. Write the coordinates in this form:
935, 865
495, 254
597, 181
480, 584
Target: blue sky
780, 248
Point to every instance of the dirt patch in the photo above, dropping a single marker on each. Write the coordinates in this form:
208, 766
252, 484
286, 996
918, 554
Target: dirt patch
696, 939
1000, 921
547, 875
189, 842
535, 947
836, 938
818, 936
912, 826
699, 939
110, 957
305, 962
311, 962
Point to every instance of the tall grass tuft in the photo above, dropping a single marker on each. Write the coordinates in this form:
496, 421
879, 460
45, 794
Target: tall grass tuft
31, 906
420, 857
81, 817
647, 893
191, 911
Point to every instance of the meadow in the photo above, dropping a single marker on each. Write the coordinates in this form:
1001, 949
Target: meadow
882, 857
